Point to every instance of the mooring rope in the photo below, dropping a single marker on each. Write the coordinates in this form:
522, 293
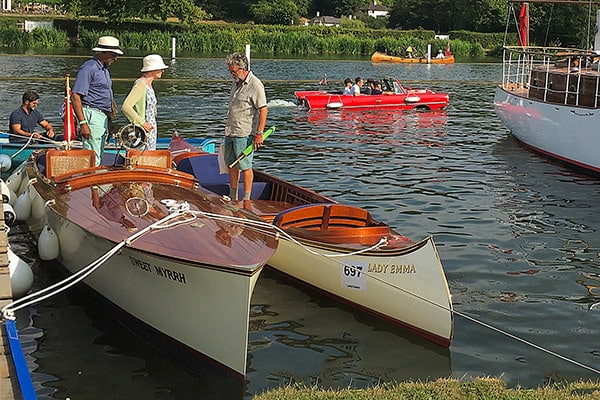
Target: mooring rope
179, 209
30, 139
9, 310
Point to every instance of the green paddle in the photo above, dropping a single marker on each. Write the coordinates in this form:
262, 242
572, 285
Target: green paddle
250, 147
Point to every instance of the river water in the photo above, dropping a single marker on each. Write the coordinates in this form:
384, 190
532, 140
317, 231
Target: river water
517, 235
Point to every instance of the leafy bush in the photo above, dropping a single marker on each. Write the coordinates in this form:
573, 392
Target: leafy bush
265, 39
37, 38
48, 38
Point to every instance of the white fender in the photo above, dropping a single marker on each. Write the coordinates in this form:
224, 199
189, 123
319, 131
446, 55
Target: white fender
38, 211
10, 216
21, 275
5, 162
14, 180
69, 240
8, 195
48, 245
23, 207
23, 184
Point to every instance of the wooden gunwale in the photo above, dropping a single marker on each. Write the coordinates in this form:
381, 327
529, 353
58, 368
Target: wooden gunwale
76, 195
103, 175
332, 223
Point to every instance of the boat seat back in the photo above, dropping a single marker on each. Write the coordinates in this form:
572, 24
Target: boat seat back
205, 168
153, 158
323, 217
60, 162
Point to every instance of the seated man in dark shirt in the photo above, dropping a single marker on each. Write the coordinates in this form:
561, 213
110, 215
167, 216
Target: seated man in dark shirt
26, 118
377, 88
369, 89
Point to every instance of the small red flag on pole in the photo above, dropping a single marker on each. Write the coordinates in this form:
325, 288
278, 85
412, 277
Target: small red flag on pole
69, 117
524, 25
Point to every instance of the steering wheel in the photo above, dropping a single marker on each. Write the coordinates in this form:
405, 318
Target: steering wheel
131, 136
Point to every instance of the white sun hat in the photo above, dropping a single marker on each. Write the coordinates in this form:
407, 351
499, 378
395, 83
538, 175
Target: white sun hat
153, 62
108, 43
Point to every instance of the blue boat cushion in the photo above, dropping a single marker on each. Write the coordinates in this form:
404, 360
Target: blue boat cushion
206, 169
41, 164
110, 158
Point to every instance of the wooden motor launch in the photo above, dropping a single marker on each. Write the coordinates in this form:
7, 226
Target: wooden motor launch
176, 265
341, 250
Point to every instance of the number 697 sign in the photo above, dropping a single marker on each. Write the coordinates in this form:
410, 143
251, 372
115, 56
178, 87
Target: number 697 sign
353, 276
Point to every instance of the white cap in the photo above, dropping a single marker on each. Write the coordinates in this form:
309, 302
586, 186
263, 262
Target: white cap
153, 62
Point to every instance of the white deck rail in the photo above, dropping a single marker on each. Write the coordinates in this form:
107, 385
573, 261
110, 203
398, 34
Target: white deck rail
522, 66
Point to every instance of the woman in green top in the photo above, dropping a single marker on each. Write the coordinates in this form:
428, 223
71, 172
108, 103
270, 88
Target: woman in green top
140, 105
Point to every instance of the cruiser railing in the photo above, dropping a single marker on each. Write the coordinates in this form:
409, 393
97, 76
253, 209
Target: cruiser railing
519, 62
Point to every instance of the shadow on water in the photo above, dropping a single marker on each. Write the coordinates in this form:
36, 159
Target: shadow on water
297, 335
92, 355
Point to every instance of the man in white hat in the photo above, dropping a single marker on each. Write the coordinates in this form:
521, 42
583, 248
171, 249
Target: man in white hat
92, 96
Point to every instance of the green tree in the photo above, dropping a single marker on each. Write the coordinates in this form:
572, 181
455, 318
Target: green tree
74, 7
436, 15
275, 12
304, 7
115, 11
185, 10
567, 24
480, 15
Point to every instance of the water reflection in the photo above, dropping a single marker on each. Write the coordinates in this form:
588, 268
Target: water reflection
517, 234
292, 330
390, 127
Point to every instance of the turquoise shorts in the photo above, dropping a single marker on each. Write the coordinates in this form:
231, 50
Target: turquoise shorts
234, 146
98, 123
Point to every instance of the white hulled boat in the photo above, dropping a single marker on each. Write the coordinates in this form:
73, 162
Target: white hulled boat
548, 97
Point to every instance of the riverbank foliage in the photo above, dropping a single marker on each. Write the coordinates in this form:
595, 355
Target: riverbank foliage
442, 389
264, 39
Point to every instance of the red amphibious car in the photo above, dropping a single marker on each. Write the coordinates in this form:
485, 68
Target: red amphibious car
395, 96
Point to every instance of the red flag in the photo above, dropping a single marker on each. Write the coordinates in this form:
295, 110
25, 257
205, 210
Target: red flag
69, 115
524, 25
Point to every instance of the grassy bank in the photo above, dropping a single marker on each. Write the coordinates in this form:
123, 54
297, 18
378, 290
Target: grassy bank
442, 389
152, 36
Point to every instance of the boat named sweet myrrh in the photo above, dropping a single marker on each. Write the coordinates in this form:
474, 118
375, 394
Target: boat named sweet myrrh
395, 96
341, 250
549, 96
177, 266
